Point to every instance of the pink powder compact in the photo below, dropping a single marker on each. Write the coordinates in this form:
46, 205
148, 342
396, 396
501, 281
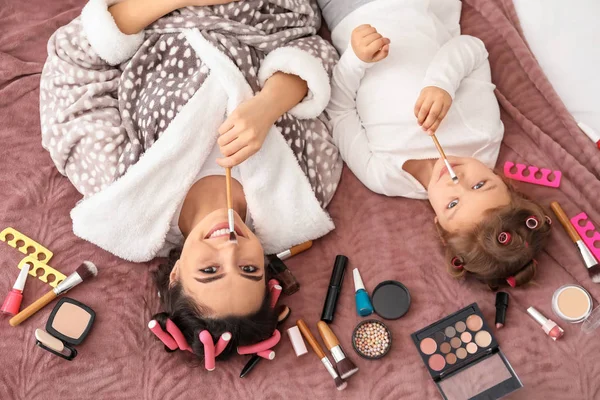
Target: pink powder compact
68, 324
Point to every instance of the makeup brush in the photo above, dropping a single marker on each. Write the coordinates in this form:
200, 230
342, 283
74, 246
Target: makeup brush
345, 366
232, 237
339, 383
443, 155
85, 271
588, 258
284, 255
255, 359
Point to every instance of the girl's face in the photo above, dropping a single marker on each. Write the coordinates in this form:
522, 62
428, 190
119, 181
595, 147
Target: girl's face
227, 278
462, 205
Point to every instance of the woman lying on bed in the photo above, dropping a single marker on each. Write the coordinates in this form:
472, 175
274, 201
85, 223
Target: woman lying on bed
406, 71
142, 105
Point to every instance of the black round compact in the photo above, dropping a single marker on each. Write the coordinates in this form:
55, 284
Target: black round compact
390, 299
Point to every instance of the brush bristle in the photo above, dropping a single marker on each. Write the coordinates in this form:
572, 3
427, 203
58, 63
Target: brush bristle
87, 269
346, 368
594, 273
232, 237
340, 384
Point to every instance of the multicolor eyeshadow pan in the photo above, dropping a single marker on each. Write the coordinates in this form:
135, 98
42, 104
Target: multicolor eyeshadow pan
451, 346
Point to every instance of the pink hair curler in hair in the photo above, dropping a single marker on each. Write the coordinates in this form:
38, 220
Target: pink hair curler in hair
178, 336
530, 178
209, 350
504, 238
162, 335
457, 263
548, 220
273, 282
511, 281
262, 346
275, 293
267, 354
532, 222
222, 343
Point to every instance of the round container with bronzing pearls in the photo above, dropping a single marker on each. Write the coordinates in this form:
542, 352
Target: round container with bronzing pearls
371, 339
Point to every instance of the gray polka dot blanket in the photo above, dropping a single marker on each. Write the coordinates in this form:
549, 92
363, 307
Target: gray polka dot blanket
130, 119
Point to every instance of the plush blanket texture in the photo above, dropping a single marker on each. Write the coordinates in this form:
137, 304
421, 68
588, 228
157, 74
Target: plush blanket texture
386, 238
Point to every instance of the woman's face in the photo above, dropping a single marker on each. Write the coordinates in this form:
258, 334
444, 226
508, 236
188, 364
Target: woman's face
226, 277
462, 205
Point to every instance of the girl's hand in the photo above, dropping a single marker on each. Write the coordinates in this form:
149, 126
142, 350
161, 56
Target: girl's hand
369, 45
431, 108
243, 133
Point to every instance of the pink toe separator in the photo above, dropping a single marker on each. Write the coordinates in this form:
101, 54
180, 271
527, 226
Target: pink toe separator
583, 230
543, 181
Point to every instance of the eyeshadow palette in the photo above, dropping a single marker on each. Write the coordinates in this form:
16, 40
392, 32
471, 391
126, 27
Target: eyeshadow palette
451, 346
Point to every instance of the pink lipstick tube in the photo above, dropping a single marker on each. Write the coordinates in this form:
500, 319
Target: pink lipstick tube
554, 331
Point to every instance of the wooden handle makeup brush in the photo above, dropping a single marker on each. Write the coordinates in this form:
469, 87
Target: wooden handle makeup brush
345, 366
339, 383
299, 248
232, 237
588, 258
86, 270
443, 155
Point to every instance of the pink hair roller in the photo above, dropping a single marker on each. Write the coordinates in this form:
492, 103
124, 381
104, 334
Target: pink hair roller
267, 354
504, 238
543, 181
162, 335
275, 293
209, 350
262, 346
222, 343
511, 281
583, 232
272, 283
178, 336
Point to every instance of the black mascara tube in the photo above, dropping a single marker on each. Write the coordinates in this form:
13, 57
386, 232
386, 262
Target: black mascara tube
335, 287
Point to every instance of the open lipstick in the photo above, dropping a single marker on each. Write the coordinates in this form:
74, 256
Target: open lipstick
554, 331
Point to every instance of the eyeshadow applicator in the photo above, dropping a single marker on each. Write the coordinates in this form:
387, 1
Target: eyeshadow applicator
232, 237
443, 155
339, 383
590, 261
86, 270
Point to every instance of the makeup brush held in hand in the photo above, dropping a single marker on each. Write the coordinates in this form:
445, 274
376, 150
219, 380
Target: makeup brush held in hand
232, 237
345, 366
588, 258
443, 155
339, 383
85, 271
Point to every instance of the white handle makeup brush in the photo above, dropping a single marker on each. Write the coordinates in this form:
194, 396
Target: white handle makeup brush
86, 270
232, 237
443, 155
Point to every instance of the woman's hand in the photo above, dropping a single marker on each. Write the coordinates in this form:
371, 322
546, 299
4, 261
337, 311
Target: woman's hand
369, 45
431, 108
244, 132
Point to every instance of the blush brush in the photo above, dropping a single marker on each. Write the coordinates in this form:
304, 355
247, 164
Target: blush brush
232, 237
345, 366
339, 383
85, 271
443, 155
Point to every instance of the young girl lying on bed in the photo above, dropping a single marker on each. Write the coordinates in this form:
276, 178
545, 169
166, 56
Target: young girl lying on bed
142, 105
406, 71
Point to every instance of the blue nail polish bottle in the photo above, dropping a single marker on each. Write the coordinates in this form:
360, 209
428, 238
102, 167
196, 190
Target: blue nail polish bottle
363, 303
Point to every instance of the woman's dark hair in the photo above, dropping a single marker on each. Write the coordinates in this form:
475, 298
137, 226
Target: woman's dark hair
191, 319
482, 254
